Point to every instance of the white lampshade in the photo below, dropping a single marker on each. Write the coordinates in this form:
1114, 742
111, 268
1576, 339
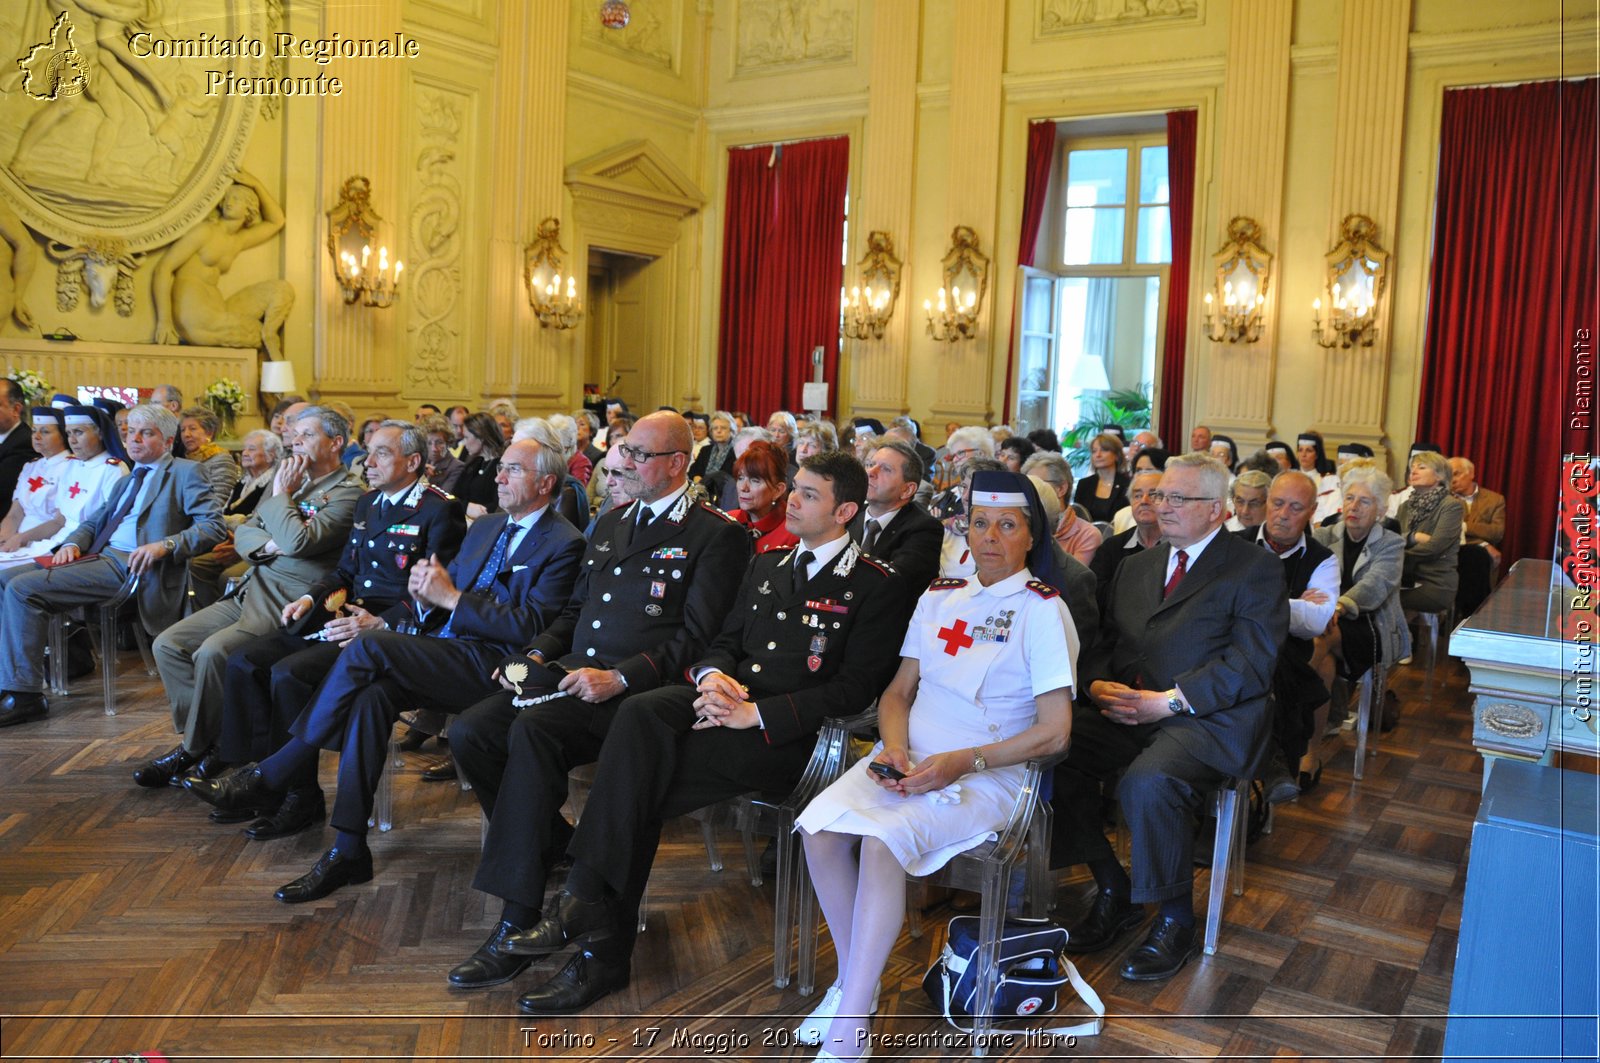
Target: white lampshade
1088, 374
277, 378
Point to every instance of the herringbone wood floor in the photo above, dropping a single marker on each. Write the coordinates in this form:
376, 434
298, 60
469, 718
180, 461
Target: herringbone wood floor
129, 923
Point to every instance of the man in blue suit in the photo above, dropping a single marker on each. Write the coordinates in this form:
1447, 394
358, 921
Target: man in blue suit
513, 576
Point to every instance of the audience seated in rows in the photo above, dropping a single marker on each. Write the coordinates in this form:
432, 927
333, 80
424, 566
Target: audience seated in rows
259, 454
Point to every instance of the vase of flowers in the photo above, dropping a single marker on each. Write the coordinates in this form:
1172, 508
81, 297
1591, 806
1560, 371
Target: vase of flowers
35, 388
225, 398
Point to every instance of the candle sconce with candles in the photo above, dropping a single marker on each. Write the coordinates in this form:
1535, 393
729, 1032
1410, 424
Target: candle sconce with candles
966, 279
1244, 271
1357, 274
352, 232
554, 298
866, 311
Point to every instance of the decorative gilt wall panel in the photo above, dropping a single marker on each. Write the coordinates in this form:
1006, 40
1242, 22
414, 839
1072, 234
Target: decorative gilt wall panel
1369, 116
652, 37
1061, 18
434, 237
775, 36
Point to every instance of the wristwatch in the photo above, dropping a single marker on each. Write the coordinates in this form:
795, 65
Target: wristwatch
1175, 704
171, 545
978, 763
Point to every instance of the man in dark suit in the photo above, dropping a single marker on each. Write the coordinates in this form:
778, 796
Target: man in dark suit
1144, 535
890, 527
1179, 681
152, 523
16, 440
1483, 527
654, 591
804, 640
515, 570
267, 682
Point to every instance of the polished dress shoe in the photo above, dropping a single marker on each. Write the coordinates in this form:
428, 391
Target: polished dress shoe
490, 965
335, 869
298, 812
1163, 953
232, 793
1309, 780
22, 706
573, 921
166, 770
1112, 916
441, 770
239, 815
585, 979
209, 766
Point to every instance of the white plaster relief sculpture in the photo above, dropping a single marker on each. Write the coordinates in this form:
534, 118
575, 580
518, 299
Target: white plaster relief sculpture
102, 264
1066, 16
650, 36
435, 243
17, 272
786, 32
190, 306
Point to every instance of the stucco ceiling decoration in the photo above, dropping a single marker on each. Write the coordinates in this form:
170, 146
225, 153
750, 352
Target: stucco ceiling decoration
142, 153
778, 35
651, 35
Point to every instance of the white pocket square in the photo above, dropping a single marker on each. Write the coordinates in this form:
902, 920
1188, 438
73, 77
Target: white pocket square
518, 568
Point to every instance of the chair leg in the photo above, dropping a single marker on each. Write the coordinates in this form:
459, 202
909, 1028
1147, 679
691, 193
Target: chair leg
783, 907
713, 853
1367, 700
752, 860
991, 920
1227, 814
55, 679
108, 659
142, 638
806, 909
383, 800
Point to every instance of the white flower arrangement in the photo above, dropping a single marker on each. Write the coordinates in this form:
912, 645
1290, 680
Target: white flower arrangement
224, 396
35, 388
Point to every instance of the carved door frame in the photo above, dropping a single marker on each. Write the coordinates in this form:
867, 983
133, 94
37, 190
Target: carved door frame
633, 199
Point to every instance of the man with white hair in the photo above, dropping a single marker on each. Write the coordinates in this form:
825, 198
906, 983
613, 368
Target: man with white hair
1483, 528
153, 522
1177, 704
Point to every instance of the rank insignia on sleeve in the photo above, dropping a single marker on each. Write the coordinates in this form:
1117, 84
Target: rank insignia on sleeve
1043, 589
946, 584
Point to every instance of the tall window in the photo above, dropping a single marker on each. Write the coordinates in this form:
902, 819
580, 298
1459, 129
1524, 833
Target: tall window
1092, 323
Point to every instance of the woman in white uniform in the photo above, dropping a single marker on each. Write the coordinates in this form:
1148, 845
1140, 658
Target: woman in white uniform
985, 684
33, 516
89, 480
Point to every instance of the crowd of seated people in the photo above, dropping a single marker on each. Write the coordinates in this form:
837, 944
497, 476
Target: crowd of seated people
682, 597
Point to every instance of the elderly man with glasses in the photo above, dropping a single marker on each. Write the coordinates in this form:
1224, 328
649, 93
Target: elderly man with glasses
1177, 704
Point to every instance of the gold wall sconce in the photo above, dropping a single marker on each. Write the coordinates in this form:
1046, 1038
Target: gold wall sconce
1357, 275
554, 298
352, 232
966, 279
866, 311
1244, 271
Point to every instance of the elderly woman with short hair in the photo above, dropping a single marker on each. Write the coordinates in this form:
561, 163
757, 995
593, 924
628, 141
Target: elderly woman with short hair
198, 428
1075, 535
815, 437
1430, 521
716, 455
1370, 630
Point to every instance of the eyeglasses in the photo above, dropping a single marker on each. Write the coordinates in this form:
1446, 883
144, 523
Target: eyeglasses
639, 457
1160, 497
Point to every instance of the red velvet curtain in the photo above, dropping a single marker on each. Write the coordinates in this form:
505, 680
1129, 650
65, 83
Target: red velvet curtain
781, 267
1512, 283
1180, 179
1036, 186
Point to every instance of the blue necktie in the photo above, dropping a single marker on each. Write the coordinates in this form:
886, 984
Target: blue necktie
124, 506
487, 573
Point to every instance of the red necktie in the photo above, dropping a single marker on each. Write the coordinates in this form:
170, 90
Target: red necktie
1177, 575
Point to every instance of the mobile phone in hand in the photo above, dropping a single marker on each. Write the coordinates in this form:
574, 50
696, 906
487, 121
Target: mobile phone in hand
884, 769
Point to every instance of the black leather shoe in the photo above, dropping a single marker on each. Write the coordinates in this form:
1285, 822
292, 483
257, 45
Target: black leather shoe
1111, 917
584, 980
335, 869
441, 770
298, 812
1388, 721
1163, 953
22, 706
490, 965
412, 740
573, 921
238, 815
241, 790
166, 770
1309, 780
210, 766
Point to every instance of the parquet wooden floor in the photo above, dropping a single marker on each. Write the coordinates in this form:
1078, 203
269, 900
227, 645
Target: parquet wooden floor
128, 922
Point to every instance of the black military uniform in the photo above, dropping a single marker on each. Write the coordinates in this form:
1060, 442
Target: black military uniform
272, 679
649, 600
825, 649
